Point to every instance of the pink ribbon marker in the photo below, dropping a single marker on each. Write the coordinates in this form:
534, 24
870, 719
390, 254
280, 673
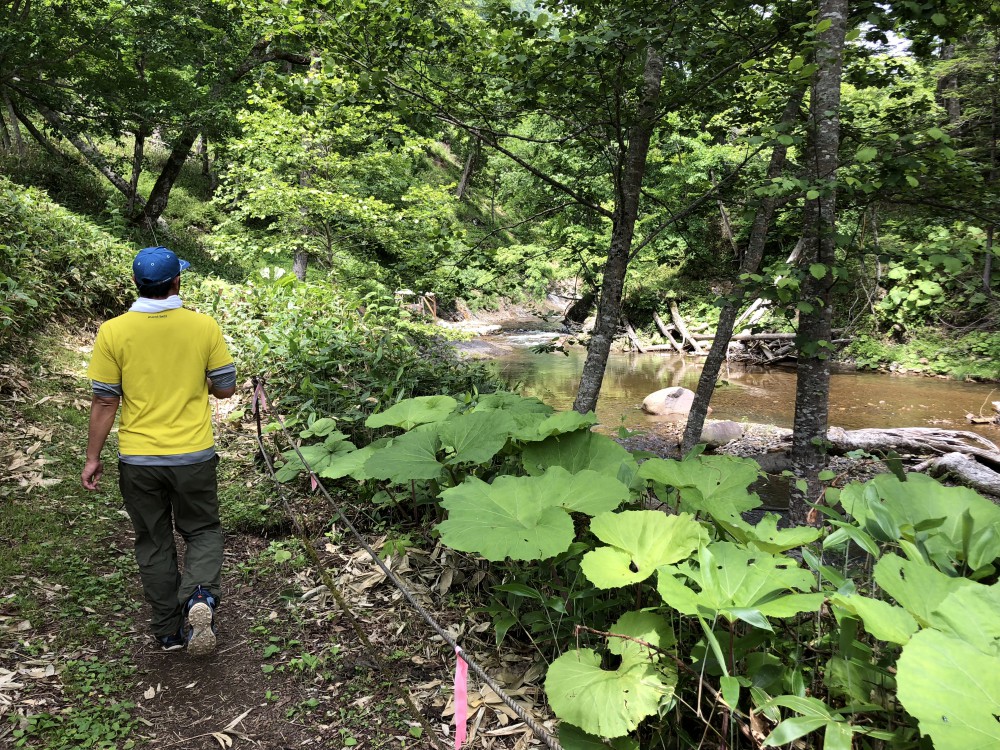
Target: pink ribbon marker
259, 397
461, 698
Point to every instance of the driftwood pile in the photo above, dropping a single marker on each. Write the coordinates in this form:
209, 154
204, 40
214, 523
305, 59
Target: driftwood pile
765, 348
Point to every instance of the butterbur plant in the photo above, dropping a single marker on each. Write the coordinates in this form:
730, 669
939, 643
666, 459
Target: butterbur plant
688, 625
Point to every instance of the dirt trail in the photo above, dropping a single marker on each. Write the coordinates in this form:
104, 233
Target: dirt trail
289, 671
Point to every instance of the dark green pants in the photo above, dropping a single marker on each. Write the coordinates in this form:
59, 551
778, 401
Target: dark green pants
158, 498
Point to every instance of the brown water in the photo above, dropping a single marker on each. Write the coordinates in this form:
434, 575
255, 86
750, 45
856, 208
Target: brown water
857, 400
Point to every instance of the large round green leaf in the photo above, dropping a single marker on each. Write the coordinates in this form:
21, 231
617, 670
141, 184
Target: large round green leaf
512, 403
973, 614
577, 451
413, 411
886, 505
513, 517
952, 689
604, 702
584, 492
765, 534
739, 584
716, 485
639, 542
407, 457
475, 437
646, 627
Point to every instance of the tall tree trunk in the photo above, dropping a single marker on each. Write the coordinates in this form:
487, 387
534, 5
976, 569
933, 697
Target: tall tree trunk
626, 213
160, 194
812, 391
749, 263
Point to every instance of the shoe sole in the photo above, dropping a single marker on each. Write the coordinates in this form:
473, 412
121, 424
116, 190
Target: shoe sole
202, 640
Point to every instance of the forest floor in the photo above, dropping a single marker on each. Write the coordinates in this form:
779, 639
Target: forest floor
293, 668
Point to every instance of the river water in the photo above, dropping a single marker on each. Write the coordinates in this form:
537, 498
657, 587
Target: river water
754, 394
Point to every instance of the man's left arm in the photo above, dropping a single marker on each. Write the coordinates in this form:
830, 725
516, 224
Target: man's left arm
222, 381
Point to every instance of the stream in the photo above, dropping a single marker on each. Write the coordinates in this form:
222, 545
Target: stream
747, 393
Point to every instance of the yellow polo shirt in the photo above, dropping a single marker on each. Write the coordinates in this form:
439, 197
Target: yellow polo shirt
160, 360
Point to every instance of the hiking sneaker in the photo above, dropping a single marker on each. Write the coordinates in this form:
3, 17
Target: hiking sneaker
173, 642
201, 622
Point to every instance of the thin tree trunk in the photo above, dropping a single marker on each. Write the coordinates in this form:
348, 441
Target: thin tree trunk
623, 230
95, 157
137, 156
470, 163
812, 392
949, 90
300, 264
39, 136
988, 262
749, 263
5, 143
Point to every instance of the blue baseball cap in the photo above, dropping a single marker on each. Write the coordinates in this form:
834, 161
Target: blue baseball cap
156, 265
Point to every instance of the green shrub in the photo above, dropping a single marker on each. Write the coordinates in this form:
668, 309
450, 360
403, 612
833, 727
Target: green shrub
53, 260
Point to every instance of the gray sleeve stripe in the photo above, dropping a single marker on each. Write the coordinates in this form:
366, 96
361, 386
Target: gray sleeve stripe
108, 390
223, 377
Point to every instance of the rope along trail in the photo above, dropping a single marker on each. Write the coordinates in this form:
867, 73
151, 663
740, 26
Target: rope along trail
260, 398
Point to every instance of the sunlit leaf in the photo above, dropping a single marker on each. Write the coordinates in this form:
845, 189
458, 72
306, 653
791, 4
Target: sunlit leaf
514, 517
881, 619
952, 689
639, 542
716, 485
917, 587
602, 702
580, 450
735, 582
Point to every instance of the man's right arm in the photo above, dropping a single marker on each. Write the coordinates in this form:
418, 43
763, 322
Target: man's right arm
102, 418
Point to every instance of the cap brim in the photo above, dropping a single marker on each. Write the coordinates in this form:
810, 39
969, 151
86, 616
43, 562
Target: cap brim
184, 264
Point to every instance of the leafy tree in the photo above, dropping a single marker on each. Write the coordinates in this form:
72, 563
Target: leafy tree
604, 77
319, 169
96, 71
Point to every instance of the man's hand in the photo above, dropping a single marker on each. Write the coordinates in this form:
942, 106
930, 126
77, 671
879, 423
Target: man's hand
92, 472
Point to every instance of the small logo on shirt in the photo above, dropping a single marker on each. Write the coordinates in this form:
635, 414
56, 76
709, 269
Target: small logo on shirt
156, 316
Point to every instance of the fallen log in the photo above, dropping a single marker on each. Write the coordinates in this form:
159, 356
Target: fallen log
667, 334
634, 338
970, 458
964, 469
917, 440
675, 316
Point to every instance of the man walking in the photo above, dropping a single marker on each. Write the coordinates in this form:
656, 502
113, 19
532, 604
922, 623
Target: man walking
161, 362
